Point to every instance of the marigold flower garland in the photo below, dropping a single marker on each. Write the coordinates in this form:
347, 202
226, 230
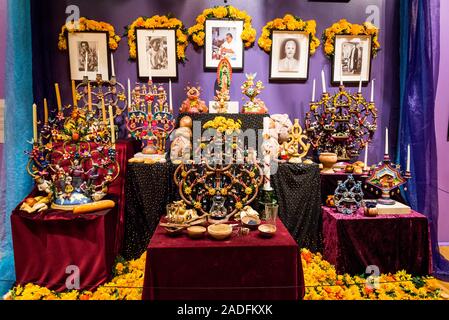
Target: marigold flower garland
289, 23
85, 24
320, 277
196, 32
343, 27
158, 22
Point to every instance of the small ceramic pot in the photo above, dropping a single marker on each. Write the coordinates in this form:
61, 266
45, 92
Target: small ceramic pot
328, 159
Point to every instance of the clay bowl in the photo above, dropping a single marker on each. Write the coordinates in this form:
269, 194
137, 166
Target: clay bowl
250, 222
219, 231
267, 230
328, 160
196, 232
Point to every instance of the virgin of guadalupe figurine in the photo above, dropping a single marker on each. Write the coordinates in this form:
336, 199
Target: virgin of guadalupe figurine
224, 74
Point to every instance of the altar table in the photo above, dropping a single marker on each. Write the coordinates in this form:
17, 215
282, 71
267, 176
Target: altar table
149, 188
391, 242
244, 267
46, 243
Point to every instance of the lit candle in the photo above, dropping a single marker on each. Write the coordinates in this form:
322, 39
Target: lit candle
58, 97
103, 110
85, 65
129, 92
170, 96
366, 155
89, 97
112, 66
386, 140
111, 123
408, 158
372, 90
45, 111
360, 84
313, 90
75, 101
323, 81
34, 123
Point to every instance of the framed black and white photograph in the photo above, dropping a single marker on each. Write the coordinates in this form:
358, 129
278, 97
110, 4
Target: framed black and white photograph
352, 59
289, 59
156, 53
223, 39
88, 54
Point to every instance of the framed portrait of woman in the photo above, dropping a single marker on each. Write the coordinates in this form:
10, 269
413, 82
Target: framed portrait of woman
88, 55
289, 59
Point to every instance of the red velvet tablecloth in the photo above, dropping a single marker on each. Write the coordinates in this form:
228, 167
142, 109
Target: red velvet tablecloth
242, 268
391, 242
45, 244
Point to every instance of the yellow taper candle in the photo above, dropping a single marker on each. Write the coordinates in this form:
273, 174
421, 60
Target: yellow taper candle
111, 122
45, 111
103, 110
75, 101
58, 97
89, 97
34, 123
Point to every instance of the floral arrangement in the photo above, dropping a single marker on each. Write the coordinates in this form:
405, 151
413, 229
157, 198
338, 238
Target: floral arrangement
85, 24
158, 22
221, 124
291, 23
323, 283
321, 280
196, 32
343, 27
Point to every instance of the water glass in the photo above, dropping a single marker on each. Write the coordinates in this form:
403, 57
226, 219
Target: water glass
271, 213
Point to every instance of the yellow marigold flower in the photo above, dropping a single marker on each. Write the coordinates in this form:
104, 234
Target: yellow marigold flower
188, 190
200, 19
212, 191
119, 267
329, 49
197, 205
239, 205
302, 24
224, 191
232, 11
291, 26
248, 190
220, 12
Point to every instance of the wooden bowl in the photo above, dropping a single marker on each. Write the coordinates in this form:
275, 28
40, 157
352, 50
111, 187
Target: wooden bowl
267, 230
250, 222
196, 232
219, 231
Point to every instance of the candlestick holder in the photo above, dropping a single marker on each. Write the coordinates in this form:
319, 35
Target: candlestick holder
387, 176
74, 160
341, 124
150, 119
296, 147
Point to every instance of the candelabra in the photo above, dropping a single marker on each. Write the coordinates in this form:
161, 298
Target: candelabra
341, 124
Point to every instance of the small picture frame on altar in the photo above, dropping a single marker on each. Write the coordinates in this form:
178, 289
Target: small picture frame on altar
352, 59
156, 53
223, 39
289, 58
88, 55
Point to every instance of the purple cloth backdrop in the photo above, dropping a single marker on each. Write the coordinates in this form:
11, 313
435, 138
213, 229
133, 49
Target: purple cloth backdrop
51, 65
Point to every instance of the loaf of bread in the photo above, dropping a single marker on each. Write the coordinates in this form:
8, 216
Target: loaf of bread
94, 206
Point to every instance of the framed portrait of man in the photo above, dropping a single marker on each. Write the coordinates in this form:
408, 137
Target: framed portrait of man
156, 53
352, 59
88, 55
289, 58
223, 39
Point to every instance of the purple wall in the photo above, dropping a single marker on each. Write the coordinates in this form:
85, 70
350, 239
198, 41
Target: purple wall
2, 46
441, 125
280, 98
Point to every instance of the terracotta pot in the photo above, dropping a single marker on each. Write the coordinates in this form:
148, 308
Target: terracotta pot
328, 159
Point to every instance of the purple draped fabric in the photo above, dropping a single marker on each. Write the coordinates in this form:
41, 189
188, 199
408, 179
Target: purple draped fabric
419, 76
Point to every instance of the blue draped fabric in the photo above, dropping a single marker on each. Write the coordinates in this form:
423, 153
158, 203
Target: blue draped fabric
18, 126
419, 51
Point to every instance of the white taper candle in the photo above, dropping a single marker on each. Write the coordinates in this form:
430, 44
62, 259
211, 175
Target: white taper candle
313, 90
372, 91
112, 66
323, 81
360, 84
129, 93
170, 95
85, 65
386, 140
408, 158
366, 155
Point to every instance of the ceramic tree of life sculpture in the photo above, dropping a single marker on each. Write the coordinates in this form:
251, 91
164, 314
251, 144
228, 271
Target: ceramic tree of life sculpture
252, 89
